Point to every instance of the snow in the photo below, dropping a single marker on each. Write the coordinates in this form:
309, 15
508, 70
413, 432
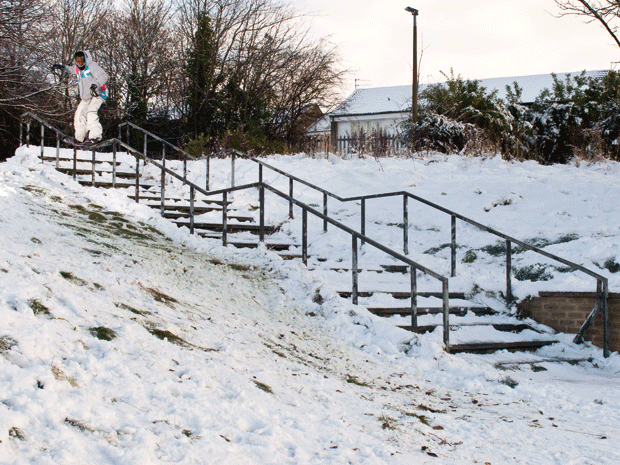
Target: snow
397, 99
230, 356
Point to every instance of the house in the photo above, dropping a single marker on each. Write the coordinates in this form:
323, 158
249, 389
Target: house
382, 109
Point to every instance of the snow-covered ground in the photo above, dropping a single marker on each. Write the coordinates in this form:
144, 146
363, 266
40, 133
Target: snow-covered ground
219, 355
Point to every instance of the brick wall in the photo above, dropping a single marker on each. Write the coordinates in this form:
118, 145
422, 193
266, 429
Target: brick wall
566, 311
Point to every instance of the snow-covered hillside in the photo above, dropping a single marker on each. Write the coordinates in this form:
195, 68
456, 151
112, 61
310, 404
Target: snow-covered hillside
125, 340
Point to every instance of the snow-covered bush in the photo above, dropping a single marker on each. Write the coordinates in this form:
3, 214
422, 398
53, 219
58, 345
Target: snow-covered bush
555, 127
439, 133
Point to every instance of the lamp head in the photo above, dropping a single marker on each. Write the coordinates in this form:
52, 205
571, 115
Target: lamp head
413, 11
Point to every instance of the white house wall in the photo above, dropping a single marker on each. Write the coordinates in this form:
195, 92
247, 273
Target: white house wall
388, 123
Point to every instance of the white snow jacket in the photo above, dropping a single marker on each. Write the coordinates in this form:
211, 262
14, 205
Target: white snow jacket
91, 74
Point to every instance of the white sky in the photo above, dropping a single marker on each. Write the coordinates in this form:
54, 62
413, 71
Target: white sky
477, 38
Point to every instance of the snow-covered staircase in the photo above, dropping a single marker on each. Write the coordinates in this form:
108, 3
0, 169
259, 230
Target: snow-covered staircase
474, 323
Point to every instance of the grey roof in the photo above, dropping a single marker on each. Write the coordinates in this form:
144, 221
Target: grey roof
397, 99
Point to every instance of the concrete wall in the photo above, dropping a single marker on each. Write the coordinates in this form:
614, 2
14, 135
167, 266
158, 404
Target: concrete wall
566, 312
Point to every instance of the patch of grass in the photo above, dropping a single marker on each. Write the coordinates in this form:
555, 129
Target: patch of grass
94, 253
97, 217
80, 209
495, 250
532, 273
470, 257
317, 298
131, 309
72, 278
169, 336
60, 375
263, 387
16, 433
387, 422
538, 368
611, 265
33, 189
239, 267
434, 250
423, 419
429, 409
190, 434
102, 333
6, 343
508, 381
38, 308
354, 380
161, 297
80, 425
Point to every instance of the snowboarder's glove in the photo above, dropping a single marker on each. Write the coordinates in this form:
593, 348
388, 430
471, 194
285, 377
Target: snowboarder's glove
57, 66
93, 90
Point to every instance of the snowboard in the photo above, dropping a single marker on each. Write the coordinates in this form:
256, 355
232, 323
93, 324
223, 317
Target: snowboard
85, 144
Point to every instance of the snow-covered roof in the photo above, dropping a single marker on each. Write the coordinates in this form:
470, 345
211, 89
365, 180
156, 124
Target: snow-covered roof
320, 126
397, 99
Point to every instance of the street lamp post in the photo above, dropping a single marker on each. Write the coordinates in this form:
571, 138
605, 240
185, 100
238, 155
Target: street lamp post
414, 85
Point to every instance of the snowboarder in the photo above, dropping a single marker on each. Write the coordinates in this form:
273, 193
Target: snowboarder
93, 91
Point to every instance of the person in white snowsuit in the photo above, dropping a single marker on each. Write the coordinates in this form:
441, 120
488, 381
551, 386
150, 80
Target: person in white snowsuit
93, 91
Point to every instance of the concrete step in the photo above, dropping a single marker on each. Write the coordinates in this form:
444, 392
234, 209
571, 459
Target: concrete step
120, 184
490, 347
403, 294
89, 172
231, 227
406, 311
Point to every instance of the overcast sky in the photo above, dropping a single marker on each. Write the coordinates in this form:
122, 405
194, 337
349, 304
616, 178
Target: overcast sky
477, 38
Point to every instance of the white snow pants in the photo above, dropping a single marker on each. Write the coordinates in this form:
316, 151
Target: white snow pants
86, 119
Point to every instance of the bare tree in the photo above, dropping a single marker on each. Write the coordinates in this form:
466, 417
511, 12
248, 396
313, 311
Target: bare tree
606, 12
144, 55
22, 77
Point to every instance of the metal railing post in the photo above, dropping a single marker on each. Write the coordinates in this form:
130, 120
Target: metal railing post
208, 165
304, 236
414, 298
446, 314
162, 190
363, 220
57, 150
354, 270
74, 163
261, 201
93, 168
405, 224
232, 170
42, 141
290, 202
191, 209
325, 211
145, 146
453, 247
605, 304
137, 179
509, 297
224, 219
114, 150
